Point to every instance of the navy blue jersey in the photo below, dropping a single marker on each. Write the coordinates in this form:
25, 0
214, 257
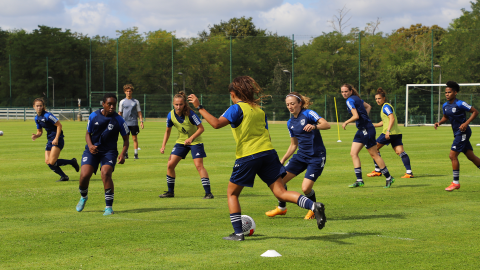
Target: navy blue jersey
456, 113
193, 117
104, 130
310, 144
354, 102
48, 121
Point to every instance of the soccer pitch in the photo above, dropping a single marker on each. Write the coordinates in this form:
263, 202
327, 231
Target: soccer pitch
414, 224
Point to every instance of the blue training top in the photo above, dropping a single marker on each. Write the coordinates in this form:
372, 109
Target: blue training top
456, 113
193, 117
310, 144
48, 121
363, 122
104, 130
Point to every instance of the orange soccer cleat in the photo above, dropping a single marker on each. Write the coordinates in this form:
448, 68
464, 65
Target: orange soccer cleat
452, 187
275, 212
407, 175
374, 173
310, 215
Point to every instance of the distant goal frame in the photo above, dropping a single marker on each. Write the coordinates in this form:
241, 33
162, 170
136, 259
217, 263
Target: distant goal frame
408, 86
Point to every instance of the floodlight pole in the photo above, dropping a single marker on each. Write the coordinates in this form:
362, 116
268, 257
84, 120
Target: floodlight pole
183, 75
439, 90
290, 75
53, 91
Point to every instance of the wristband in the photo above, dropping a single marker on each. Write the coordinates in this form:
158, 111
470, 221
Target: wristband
200, 107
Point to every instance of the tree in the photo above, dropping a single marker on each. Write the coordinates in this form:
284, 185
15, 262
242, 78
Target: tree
235, 27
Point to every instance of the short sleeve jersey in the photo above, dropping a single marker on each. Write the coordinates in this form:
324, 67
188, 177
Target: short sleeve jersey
193, 117
310, 144
104, 130
387, 109
456, 113
129, 109
48, 121
354, 102
234, 115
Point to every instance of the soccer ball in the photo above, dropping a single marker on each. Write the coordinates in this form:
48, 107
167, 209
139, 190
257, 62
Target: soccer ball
248, 225
1, 133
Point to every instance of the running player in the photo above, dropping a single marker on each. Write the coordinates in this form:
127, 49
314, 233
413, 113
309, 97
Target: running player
189, 128
365, 135
454, 110
129, 109
390, 135
254, 152
303, 126
103, 128
53, 127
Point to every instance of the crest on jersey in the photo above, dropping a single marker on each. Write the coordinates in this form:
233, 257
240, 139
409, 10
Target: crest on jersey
110, 126
454, 110
85, 159
302, 122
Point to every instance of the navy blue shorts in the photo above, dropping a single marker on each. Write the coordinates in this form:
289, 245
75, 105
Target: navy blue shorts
182, 150
395, 140
461, 143
103, 158
314, 166
61, 144
366, 137
267, 167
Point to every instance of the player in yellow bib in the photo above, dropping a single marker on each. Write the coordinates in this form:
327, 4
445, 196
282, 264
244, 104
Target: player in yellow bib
390, 135
255, 154
189, 128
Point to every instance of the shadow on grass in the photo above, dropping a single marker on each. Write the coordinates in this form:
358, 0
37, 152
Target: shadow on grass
405, 186
429, 175
337, 238
144, 210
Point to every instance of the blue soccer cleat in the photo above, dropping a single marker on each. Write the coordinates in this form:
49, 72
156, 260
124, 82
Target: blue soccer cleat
108, 211
81, 203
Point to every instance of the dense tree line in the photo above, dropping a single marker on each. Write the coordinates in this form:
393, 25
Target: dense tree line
80, 64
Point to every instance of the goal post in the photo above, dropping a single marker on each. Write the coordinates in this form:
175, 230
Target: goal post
428, 110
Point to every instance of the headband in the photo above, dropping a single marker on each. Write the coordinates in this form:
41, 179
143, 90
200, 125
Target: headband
292, 95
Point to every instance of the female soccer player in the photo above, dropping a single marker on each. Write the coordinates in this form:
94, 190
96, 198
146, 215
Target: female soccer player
103, 128
365, 135
303, 126
55, 141
454, 110
390, 135
254, 152
189, 128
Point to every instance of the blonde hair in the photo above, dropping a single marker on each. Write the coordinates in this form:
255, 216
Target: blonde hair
304, 101
127, 86
186, 109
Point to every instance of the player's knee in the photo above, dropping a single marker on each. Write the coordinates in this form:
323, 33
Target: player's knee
171, 166
106, 174
353, 154
199, 167
453, 157
398, 152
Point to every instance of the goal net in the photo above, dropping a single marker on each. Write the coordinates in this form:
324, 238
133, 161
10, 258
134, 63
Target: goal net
423, 102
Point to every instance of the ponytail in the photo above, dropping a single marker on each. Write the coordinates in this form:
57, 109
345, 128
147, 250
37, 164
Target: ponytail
303, 100
186, 109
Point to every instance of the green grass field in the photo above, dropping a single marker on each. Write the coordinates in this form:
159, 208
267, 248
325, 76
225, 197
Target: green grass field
414, 224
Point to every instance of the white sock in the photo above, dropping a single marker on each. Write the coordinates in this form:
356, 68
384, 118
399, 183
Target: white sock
456, 182
282, 208
409, 171
136, 151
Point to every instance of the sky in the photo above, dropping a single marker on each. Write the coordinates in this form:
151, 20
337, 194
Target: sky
188, 17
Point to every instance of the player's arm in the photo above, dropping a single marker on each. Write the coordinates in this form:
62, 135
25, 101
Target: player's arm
379, 124
291, 149
200, 130
141, 119
92, 148
354, 118
59, 131
216, 123
38, 134
165, 139
367, 107
474, 114
390, 125
121, 157
120, 108
442, 121
322, 124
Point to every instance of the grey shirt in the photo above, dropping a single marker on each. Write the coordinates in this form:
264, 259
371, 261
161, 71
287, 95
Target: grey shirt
129, 109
